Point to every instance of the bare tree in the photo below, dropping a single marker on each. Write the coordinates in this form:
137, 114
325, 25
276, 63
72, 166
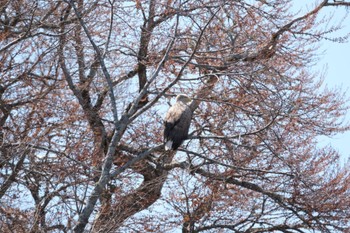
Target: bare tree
83, 91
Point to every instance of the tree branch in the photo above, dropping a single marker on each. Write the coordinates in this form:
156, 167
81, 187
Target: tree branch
270, 48
101, 60
283, 202
337, 3
12, 177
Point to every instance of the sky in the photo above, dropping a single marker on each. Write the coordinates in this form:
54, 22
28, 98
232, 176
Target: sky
336, 60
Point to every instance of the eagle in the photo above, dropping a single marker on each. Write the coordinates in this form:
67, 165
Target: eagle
177, 122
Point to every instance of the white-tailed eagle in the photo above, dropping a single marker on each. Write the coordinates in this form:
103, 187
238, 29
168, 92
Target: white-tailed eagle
177, 123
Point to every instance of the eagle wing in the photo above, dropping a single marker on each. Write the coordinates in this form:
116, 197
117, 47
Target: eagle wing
176, 124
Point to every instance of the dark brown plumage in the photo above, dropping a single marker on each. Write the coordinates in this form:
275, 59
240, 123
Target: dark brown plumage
177, 123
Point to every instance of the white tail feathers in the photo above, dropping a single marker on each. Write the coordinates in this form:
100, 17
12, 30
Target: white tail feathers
168, 145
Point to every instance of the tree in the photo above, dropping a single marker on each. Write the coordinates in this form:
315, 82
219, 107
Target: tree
83, 91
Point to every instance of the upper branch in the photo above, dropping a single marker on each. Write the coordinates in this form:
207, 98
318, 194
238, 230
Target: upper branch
269, 49
337, 3
100, 59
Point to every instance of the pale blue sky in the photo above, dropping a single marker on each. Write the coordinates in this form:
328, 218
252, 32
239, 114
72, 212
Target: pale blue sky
336, 59
338, 63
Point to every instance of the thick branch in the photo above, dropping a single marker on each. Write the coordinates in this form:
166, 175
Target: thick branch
143, 197
337, 3
104, 178
101, 60
83, 97
146, 33
12, 177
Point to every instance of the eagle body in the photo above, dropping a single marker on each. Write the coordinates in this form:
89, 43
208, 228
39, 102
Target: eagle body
177, 123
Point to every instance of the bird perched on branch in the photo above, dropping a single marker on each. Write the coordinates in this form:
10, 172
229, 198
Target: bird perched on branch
177, 122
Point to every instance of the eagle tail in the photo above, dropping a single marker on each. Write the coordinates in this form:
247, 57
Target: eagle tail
168, 145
